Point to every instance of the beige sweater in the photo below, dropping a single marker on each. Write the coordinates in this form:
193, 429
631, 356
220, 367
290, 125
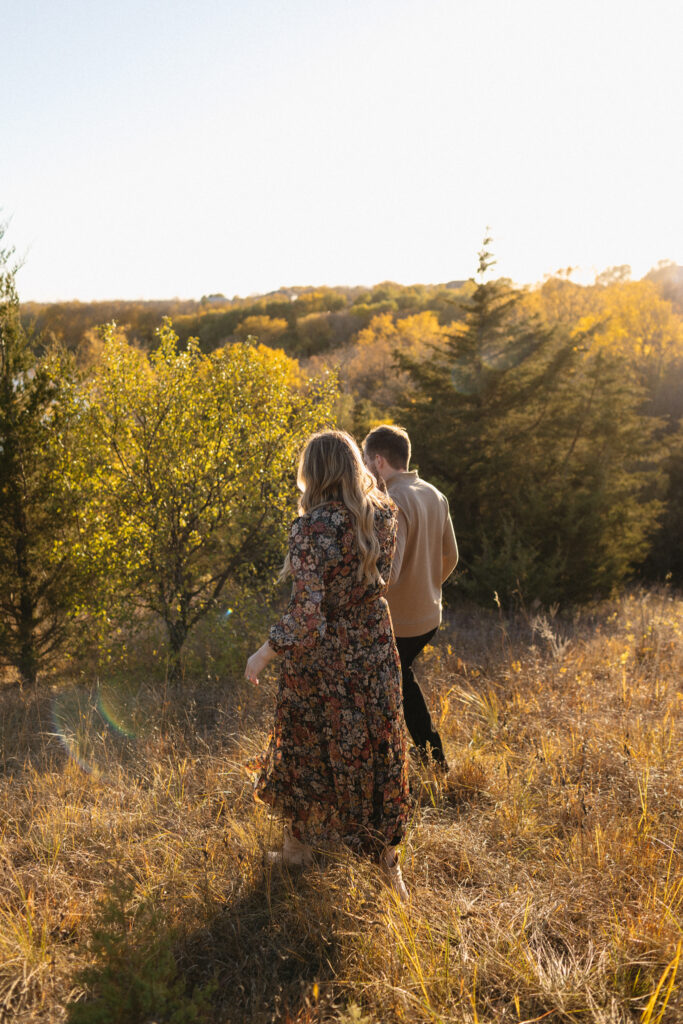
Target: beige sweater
426, 554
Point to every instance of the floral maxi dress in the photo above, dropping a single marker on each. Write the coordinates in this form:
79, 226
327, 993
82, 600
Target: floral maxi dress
336, 759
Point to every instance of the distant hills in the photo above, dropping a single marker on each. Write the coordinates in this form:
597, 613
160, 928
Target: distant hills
304, 320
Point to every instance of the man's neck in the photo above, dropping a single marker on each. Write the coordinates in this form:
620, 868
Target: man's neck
389, 473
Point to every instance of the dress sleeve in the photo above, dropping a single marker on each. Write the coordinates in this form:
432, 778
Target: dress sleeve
385, 527
303, 624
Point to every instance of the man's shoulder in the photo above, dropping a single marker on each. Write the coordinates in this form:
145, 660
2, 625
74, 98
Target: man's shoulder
426, 486
409, 485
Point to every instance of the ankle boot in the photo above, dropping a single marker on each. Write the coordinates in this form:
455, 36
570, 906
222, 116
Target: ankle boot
391, 869
294, 853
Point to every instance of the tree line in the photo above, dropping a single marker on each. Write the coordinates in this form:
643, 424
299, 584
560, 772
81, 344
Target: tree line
145, 477
303, 321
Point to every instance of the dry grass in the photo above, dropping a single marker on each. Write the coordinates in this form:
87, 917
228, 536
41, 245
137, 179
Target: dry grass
545, 875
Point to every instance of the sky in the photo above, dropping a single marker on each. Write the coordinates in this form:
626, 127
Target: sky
163, 148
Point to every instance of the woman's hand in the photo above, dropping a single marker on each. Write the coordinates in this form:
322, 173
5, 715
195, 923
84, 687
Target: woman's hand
258, 662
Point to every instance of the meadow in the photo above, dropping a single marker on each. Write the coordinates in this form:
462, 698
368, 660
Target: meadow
545, 872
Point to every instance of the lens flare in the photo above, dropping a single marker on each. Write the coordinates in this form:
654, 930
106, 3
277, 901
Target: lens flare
94, 725
74, 724
117, 710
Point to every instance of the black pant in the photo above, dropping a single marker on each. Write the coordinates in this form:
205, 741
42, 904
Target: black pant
417, 716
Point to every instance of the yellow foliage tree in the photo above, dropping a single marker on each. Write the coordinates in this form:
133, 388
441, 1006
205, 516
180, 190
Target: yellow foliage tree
369, 367
266, 329
185, 466
632, 320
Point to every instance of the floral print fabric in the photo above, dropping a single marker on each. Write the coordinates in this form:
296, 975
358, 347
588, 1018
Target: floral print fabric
336, 760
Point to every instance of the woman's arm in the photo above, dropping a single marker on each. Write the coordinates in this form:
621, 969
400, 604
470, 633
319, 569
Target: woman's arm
258, 662
303, 624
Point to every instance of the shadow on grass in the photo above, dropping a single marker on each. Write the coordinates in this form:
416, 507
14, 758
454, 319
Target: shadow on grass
256, 960
266, 952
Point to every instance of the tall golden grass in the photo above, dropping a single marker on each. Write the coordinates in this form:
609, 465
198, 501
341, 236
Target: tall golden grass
545, 873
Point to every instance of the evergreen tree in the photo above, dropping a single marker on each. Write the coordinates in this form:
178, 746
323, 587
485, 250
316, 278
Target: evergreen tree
540, 447
36, 513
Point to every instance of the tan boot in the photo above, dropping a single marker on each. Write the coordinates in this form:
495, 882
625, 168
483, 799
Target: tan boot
294, 853
391, 869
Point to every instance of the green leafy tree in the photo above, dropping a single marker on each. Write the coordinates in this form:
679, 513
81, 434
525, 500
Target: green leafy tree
37, 513
188, 465
540, 447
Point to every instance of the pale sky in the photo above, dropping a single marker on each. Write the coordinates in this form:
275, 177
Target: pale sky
161, 148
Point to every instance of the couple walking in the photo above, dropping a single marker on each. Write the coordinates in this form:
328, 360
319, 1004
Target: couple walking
372, 539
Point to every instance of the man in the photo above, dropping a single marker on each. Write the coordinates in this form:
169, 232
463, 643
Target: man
426, 555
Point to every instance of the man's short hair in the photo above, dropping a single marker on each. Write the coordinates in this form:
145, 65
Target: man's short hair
392, 443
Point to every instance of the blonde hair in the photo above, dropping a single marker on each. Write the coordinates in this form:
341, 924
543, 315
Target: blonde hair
331, 468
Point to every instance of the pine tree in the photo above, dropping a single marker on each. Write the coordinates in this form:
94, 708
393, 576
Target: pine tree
540, 447
35, 512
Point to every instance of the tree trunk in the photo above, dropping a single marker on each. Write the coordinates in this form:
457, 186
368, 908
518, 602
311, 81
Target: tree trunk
177, 635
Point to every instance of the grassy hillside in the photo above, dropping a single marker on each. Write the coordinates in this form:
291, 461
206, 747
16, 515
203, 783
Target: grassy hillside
546, 874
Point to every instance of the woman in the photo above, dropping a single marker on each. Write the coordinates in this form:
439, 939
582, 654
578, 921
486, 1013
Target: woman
336, 767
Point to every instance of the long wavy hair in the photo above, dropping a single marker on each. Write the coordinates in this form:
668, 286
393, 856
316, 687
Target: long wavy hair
331, 468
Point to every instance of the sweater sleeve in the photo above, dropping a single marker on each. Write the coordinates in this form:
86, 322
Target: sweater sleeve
449, 547
303, 624
397, 560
